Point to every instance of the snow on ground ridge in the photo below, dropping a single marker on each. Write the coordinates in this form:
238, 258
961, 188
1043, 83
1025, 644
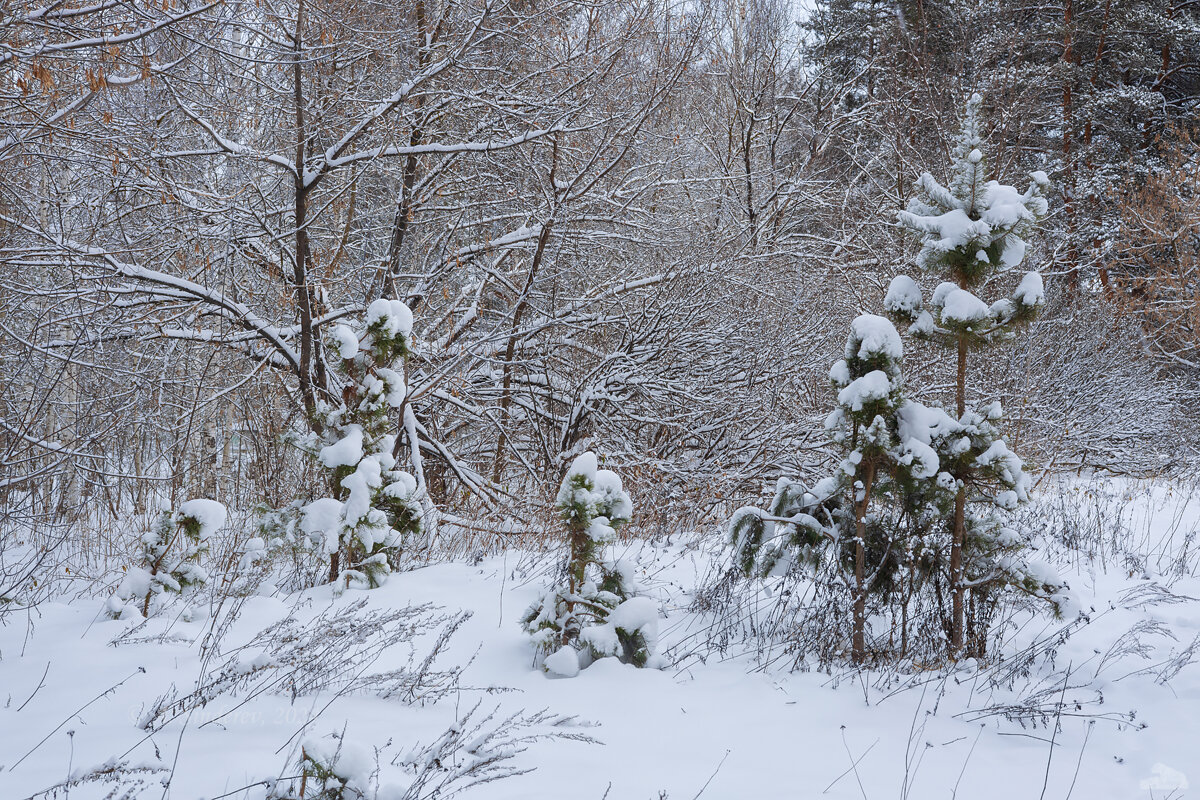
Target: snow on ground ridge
757, 728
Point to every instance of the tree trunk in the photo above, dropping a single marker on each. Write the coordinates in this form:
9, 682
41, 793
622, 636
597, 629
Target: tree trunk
1068, 156
960, 505
751, 212
1093, 199
404, 209
576, 573
518, 313
304, 300
859, 644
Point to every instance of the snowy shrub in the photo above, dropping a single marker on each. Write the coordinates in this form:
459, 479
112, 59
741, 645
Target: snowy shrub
375, 508
171, 553
299, 559
473, 750
303, 655
249, 568
594, 614
118, 778
335, 770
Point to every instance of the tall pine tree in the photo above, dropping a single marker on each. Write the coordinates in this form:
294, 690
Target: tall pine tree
969, 232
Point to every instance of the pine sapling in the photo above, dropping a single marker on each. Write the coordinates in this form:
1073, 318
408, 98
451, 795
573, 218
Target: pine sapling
594, 614
374, 508
970, 232
885, 450
171, 554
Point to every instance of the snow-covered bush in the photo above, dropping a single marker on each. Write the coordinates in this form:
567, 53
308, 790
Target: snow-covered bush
594, 615
475, 749
335, 770
299, 560
374, 508
171, 553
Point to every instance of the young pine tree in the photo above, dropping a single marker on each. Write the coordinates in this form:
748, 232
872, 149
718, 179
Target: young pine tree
374, 508
171, 553
594, 614
885, 454
969, 232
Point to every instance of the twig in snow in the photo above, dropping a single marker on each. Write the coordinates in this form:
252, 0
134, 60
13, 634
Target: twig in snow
1079, 761
853, 764
710, 777
963, 771
1054, 734
41, 683
74, 713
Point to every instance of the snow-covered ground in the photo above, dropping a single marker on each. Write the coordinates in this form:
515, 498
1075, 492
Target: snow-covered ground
77, 689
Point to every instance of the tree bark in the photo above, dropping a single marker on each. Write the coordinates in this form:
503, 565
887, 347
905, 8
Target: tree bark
957, 589
1068, 58
859, 644
304, 300
300, 261
518, 313
404, 210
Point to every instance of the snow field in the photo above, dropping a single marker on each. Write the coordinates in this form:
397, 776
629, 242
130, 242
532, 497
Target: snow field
731, 724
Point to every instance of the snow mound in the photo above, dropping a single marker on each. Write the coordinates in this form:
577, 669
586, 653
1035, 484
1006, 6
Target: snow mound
962, 307
903, 297
563, 662
209, 513
873, 335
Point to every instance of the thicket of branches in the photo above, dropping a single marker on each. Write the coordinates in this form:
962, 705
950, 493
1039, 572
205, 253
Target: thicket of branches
628, 226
